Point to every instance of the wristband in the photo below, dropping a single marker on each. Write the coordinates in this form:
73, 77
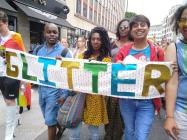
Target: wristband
169, 117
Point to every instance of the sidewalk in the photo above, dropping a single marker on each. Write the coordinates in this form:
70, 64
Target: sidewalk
32, 123
33, 128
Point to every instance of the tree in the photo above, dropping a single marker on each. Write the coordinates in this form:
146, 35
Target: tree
130, 14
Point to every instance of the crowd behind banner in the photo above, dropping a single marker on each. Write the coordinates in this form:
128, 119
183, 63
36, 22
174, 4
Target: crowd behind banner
88, 77
134, 82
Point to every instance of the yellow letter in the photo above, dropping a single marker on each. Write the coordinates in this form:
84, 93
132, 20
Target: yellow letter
12, 73
70, 65
164, 76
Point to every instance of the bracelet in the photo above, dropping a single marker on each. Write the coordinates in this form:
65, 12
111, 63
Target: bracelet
169, 117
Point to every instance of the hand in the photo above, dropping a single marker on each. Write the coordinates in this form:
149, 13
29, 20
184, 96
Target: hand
23, 86
61, 101
120, 62
171, 128
174, 66
92, 58
58, 58
115, 100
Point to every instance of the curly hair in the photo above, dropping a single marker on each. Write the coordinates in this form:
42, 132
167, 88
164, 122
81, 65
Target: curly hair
105, 44
176, 17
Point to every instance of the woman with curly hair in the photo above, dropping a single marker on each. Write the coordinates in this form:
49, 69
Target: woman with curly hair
95, 112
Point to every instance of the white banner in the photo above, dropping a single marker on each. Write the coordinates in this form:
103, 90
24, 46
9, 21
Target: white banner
136, 80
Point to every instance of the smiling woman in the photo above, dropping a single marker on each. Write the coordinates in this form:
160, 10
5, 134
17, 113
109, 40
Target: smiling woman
137, 127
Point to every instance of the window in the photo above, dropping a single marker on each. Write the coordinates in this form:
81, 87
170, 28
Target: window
102, 20
95, 16
78, 7
12, 23
91, 13
91, 10
85, 10
95, 11
91, 2
99, 18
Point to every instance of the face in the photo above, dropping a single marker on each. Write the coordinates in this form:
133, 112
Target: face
183, 24
64, 43
3, 27
96, 41
139, 30
51, 34
81, 42
124, 28
164, 41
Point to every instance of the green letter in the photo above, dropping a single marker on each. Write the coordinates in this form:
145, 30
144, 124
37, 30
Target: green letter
25, 68
95, 69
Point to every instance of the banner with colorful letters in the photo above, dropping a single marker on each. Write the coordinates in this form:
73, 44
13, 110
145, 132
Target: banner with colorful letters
135, 79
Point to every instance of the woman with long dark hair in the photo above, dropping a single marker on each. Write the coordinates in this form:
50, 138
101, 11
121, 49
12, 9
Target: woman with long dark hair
95, 112
114, 129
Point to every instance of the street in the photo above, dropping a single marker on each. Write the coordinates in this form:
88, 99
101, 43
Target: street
32, 124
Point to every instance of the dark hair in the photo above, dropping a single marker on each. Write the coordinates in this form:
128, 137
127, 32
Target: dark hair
3, 17
49, 24
139, 18
82, 37
105, 44
118, 26
176, 17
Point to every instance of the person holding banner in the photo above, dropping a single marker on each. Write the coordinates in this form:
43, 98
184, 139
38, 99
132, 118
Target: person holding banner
9, 87
138, 114
95, 112
50, 98
114, 129
176, 88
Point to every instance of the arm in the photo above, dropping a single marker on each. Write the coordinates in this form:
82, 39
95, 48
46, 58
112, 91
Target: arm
171, 94
119, 57
63, 95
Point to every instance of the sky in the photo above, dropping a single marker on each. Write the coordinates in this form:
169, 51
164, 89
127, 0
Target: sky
155, 10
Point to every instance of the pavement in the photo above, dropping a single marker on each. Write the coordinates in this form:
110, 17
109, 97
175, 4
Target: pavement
32, 123
33, 128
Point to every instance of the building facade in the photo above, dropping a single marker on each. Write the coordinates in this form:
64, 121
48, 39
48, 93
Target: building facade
165, 29
167, 26
155, 33
86, 14
28, 17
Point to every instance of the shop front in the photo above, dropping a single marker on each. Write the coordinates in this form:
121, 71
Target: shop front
32, 16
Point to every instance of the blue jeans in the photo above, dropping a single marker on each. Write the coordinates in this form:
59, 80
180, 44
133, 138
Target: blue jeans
74, 133
49, 106
138, 116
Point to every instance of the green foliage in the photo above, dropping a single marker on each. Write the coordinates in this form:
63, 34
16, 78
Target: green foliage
130, 14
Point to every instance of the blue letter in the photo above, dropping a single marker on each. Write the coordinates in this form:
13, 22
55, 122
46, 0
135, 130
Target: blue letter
115, 81
46, 62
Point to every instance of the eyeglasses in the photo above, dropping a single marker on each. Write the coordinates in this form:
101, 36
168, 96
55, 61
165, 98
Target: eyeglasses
124, 27
182, 21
